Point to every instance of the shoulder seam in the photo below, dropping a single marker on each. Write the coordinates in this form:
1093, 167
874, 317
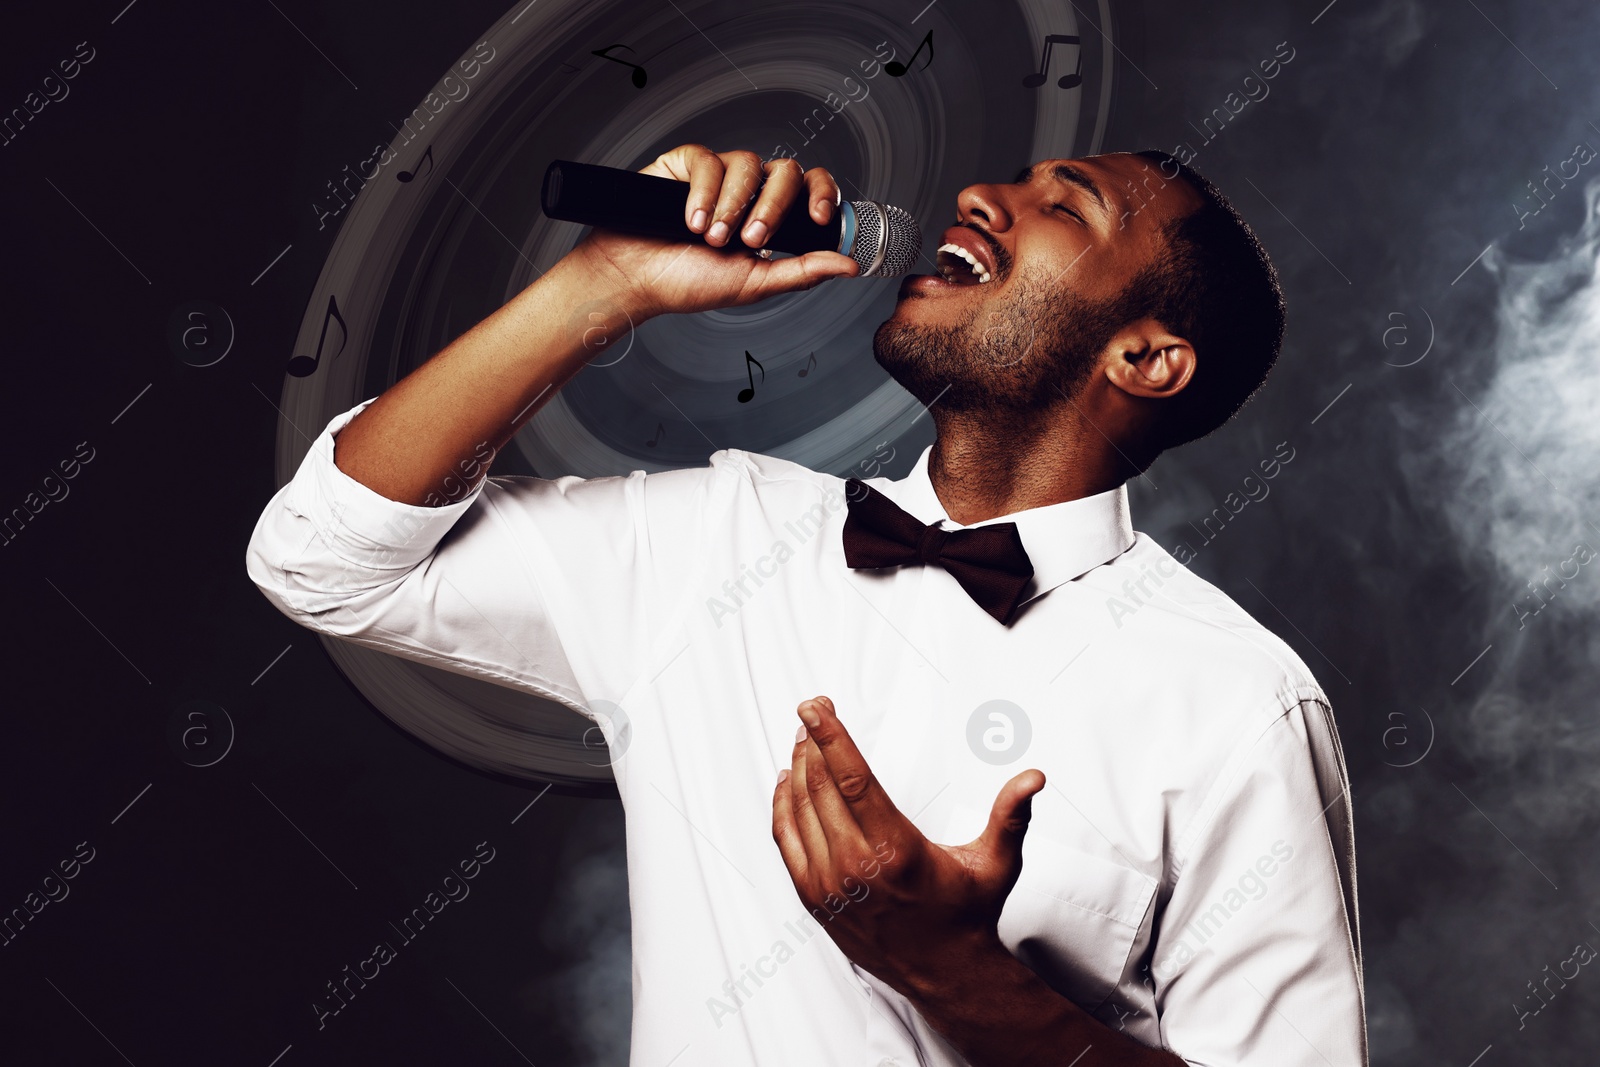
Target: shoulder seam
1281, 703
1290, 674
719, 502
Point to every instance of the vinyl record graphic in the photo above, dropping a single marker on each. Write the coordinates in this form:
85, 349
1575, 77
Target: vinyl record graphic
447, 228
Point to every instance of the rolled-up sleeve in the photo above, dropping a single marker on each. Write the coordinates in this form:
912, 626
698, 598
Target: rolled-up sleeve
556, 586
1258, 958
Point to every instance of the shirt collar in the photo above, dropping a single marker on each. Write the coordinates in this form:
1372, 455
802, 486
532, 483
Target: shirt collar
1063, 541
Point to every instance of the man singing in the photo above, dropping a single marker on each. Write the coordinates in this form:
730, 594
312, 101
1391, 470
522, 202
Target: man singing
827, 683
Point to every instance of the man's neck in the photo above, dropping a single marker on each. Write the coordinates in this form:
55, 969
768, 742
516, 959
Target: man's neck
982, 467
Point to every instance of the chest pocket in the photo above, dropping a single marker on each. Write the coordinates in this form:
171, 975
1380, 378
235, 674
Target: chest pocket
1072, 916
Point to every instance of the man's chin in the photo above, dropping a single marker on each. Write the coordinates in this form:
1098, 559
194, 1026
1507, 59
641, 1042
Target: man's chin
913, 355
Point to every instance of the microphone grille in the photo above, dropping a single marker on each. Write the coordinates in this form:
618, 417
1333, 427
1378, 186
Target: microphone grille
887, 242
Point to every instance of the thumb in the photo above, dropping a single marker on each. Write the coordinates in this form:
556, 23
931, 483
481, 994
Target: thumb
802, 272
1001, 841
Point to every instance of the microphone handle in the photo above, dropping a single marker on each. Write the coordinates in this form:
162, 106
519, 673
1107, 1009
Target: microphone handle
648, 206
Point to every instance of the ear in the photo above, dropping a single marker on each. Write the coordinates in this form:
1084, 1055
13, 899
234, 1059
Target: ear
1146, 359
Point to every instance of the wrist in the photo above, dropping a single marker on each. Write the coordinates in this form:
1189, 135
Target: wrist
570, 315
958, 965
992, 1007
593, 273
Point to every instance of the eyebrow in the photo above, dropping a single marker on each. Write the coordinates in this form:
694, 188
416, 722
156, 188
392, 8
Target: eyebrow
1066, 172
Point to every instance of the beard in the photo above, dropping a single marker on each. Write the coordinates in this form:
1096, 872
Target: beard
1018, 359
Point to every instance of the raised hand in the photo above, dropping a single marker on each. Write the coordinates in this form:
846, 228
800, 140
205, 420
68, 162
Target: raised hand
735, 201
901, 906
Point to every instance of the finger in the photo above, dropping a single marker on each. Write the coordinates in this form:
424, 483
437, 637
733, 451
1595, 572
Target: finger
705, 177
700, 167
789, 275
839, 825
871, 807
674, 163
807, 825
786, 833
1009, 816
823, 192
785, 183
740, 181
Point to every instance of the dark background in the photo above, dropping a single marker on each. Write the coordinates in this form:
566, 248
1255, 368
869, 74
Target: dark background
1392, 552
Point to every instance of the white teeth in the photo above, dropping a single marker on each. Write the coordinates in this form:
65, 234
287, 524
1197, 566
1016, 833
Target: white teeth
971, 261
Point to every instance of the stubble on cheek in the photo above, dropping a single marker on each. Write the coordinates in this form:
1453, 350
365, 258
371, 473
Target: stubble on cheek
1015, 353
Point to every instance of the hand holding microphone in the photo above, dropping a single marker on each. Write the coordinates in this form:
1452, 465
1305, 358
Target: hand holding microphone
720, 202
689, 219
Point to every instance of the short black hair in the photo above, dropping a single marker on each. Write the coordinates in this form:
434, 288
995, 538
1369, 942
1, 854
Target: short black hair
1215, 286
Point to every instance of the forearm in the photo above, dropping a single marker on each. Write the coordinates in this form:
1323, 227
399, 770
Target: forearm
437, 426
998, 1013
429, 434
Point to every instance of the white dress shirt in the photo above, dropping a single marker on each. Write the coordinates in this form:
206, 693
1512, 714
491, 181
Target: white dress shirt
1188, 873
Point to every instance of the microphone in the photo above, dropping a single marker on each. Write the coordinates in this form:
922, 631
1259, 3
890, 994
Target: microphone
885, 240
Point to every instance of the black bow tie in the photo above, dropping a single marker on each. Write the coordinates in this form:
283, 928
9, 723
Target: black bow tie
988, 561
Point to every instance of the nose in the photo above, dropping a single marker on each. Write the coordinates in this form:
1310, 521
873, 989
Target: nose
984, 206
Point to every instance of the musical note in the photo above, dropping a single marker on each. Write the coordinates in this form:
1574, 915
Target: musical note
896, 69
747, 395
812, 362
427, 157
304, 366
1033, 81
639, 74
660, 430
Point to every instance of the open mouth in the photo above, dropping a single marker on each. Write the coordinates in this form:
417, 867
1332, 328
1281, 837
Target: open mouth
959, 266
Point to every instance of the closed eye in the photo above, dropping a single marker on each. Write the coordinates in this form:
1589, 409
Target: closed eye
1067, 210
